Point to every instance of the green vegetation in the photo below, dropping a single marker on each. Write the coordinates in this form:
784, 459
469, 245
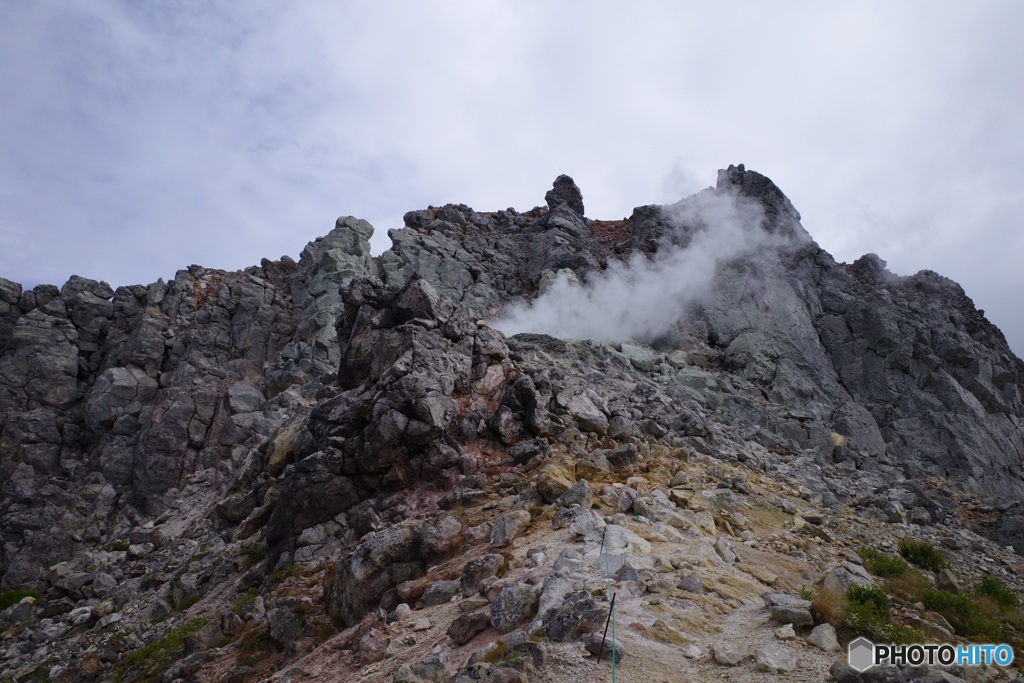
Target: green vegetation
922, 554
988, 612
13, 597
153, 660
979, 615
244, 599
255, 638
864, 610
254, 555
997, 591
279, 575
254, 644
118, 546
908, 587
188, 601
501, 656
883, 564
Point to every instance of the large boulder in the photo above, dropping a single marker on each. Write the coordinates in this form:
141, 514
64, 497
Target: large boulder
514, 604
359, 581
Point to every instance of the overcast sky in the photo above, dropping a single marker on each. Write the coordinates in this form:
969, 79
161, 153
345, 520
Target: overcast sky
141, 137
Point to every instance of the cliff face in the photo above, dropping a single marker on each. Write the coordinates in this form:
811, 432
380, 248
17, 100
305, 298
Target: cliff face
298, 406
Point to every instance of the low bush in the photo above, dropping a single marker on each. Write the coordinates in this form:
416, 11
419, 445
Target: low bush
922, 554
827, 606
152, 660
908, 587
997, 591
244, 599
866, 609
255, 645
882, 564
13, 597
254, 555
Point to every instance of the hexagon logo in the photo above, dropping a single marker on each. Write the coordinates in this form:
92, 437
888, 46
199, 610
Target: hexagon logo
861, 654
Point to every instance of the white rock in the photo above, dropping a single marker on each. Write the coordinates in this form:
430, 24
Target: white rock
823, 637
728, 654
775, 657
586, 524
785, 632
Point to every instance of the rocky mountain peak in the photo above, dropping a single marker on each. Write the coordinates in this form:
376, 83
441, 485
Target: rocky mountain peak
340, 468
565, 192
780, 214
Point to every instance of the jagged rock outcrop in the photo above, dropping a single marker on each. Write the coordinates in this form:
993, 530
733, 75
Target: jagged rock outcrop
906, 369
111, 398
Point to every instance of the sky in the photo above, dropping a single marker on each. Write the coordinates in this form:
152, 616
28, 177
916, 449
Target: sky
137, 138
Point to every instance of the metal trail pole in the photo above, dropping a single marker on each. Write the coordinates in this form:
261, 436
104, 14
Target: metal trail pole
611, 608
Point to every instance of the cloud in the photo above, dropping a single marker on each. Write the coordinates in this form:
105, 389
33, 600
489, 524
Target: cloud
643, 298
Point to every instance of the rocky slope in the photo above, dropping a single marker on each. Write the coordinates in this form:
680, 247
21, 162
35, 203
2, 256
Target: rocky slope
338, 469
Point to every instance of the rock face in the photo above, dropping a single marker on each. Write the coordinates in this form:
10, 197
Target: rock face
361, 416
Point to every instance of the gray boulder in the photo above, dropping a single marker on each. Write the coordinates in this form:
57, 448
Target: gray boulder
384, 560
508, 526
476, 570
776, 658
439, 593
581, 493
467, 626
823, 637
839, 578
513, 605
576, 614
788, 609
284, 626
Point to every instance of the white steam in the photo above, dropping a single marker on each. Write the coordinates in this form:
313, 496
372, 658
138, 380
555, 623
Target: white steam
642, 298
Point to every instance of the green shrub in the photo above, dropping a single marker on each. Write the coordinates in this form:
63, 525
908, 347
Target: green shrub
962, 606
872, 597
866, 610
188, 601
254, 555
154, 659
13, 597
970, 616
255, 645
989, 613
909, 587
244, 599
898, 633
882, 564
922, 554
997, 591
